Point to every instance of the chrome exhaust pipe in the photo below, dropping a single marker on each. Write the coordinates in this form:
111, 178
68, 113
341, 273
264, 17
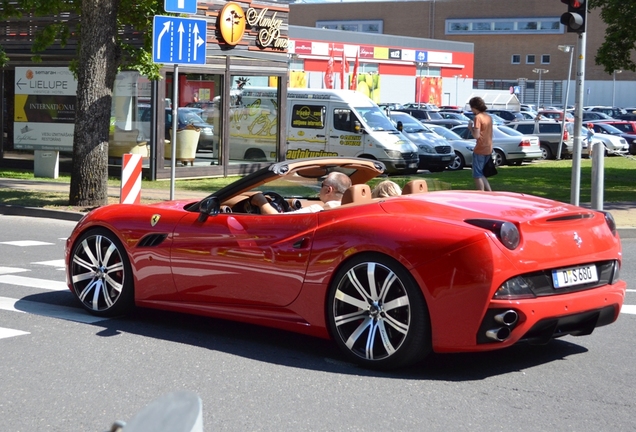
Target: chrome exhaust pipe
507, 318
499, 334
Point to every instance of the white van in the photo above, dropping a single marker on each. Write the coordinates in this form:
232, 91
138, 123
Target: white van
319, 123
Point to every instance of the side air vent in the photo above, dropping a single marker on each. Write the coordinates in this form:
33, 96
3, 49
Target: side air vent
152, 240
571, 217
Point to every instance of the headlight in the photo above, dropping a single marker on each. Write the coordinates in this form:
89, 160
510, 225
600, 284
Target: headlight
207, 131
393, 154
426, 148
515, 288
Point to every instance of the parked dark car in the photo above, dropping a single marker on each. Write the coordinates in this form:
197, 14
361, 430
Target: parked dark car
507, 115
187, 116
432, 116
594, 115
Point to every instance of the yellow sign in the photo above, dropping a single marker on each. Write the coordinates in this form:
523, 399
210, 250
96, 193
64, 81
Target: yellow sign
232, 23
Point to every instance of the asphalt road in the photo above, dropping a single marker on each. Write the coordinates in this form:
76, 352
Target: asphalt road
64, 370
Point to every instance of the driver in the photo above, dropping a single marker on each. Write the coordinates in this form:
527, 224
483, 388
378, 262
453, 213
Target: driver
331, 191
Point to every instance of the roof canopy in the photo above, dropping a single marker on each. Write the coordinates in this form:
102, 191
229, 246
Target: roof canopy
497, 99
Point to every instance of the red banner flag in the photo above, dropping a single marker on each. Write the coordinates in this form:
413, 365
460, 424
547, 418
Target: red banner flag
354, 76
344, 69
329, 72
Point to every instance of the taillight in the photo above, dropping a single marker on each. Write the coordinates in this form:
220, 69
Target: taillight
525, 143
565, 135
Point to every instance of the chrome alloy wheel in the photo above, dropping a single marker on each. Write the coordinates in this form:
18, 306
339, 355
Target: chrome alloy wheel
371, 311
99, 273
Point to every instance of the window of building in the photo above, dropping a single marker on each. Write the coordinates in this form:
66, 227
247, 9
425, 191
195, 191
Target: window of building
516, 59
530, 59
545, 59
362, 26
504, 26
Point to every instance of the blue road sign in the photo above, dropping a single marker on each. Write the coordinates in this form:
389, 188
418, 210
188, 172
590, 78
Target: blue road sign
180, 6
178, 40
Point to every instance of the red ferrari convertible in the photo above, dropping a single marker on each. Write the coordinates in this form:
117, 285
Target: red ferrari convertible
387, 279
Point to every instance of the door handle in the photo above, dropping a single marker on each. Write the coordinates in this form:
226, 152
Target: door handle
299, 244
320, 136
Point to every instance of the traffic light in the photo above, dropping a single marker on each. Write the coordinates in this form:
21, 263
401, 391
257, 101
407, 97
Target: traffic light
574, 18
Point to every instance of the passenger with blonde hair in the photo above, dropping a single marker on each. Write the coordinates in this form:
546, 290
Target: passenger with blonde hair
385, 189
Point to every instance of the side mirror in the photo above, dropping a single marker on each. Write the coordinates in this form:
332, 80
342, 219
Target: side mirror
208, 207
400, 126
356, 127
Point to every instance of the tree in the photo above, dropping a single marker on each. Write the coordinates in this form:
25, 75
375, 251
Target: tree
617, 50
99, 26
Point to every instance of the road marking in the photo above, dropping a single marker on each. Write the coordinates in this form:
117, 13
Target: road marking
5, 270
26, 243
33, 282
629, 309
631, 290
7, 333
52, 263
49, 310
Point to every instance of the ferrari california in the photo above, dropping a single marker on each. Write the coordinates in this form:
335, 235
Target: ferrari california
389, 280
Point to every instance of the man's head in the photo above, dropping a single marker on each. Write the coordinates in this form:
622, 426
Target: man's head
477, 105
334, 186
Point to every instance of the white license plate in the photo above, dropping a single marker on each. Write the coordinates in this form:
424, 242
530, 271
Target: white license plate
574, 276
413, 165
446, 158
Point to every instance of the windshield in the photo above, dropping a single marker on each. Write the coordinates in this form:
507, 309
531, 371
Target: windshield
447, 133
375, 119
509, 131
408, 125
610, 129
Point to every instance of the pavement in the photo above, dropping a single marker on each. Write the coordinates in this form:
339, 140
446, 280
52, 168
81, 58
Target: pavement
624, 212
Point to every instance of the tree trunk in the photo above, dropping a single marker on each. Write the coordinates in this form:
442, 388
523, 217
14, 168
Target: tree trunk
97, 69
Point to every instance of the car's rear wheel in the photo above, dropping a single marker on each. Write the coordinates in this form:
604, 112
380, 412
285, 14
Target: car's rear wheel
458, 163
100, 273
377, 314
546, 153
500, 158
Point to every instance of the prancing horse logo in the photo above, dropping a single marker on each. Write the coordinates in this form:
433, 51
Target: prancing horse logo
154, 219
578, 240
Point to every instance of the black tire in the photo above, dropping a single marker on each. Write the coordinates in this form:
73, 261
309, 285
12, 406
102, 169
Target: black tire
255, 155
100, 272
366, 320
500, 158
546, 153
458, 163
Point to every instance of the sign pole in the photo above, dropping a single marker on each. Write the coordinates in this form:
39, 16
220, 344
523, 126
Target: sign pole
175, 124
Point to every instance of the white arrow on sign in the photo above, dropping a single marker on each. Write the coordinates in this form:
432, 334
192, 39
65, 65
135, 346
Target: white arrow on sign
181, 4
181, 31
197, 40
166, 27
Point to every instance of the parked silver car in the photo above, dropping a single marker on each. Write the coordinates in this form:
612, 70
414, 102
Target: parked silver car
463, 147
509, 149
435, 152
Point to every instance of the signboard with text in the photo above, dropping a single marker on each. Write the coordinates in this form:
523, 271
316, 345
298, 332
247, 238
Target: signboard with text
44, 116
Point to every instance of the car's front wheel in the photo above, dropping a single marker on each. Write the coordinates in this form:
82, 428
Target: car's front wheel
100, 273
377, 314
458, 163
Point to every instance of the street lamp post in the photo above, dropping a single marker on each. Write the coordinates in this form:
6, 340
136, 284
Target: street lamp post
565, 49
614, 87
539, 71
521, 82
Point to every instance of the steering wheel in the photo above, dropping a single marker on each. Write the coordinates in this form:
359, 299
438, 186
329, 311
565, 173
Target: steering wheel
278, 202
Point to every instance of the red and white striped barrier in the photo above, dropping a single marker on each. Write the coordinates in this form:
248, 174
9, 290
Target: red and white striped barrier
130, 179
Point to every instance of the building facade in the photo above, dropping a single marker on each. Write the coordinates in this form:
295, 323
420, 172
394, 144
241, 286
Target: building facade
511, 40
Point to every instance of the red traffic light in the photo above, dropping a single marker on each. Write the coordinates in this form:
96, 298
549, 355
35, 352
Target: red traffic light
574, 18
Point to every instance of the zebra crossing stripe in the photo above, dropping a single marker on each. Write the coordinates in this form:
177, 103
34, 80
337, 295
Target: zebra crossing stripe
7, 270
7, 333
49, 310
33, 282
629, 309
